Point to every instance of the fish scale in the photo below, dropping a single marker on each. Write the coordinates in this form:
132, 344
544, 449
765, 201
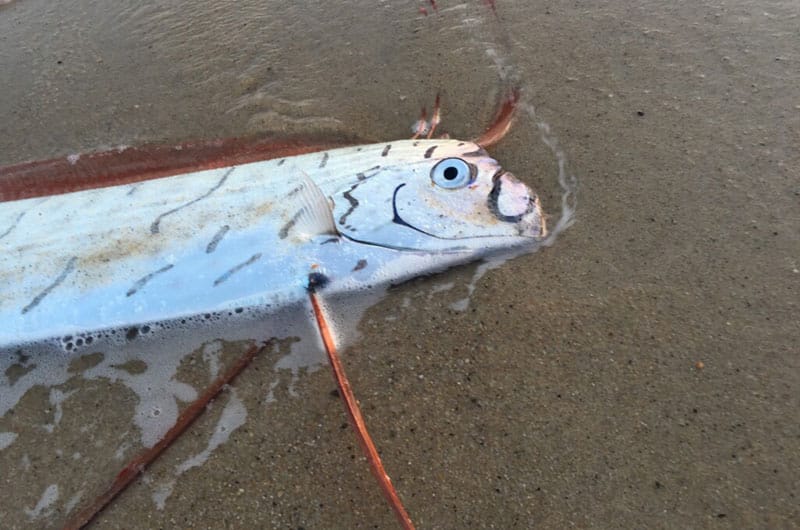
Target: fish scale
126, 255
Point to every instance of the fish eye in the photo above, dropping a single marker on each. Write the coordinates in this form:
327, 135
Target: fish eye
451, 173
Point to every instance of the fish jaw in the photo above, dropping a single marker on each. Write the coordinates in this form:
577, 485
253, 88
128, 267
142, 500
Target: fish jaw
512, 201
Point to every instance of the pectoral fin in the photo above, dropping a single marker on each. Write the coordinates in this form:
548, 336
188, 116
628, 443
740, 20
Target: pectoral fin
314, 215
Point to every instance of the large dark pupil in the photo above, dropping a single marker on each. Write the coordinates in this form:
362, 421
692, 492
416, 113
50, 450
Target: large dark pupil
450, 173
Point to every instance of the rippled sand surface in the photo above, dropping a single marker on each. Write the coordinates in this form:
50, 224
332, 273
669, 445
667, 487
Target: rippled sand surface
641, 372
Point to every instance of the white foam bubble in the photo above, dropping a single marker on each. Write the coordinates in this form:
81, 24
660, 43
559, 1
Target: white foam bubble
441, 287
57, 397
162, 492
6, 439
211, 353
43, 507
73, 502
233, 416
566, 180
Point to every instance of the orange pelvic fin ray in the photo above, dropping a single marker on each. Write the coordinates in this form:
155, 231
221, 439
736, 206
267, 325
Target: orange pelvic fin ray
502, 121
137, 466
354, 413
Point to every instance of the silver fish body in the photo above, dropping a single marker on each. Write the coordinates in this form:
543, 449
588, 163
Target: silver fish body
250, 235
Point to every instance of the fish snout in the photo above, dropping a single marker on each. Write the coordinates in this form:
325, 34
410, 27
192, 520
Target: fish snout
512, 201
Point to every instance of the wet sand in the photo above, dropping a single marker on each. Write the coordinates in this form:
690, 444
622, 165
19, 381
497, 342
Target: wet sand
643, 372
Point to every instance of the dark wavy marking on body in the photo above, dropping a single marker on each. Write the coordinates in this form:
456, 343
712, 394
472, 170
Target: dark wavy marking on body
363, 174
324, 160
146, 278
353, 203
295, 191
430, 151
13, 225
284, 232
155, 226
212, 245
237, 268
386, 150
61, 277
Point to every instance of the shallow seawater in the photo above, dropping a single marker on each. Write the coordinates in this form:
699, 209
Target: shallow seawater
641, 372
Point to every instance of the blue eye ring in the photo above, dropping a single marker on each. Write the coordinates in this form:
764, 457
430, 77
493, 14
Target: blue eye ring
453, 173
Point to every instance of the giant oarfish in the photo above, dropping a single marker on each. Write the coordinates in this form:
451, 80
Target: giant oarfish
248, 235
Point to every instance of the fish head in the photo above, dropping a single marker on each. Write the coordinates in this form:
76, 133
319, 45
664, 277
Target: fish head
439, 196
